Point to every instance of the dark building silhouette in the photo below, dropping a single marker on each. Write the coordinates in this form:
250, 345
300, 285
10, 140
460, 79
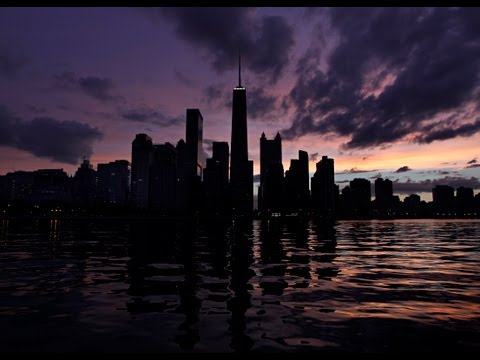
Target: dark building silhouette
50, 185
3, 188
189, 164
323, 188
220, 153
273, 189
194, 136
464, 201
142, 157
297, 192
182, 171
215, 178
411, 205
212, 179
113, 180
384, 199
443, 200
360, 197
241, 169
270, 191
163, 178
19, 185
85, 184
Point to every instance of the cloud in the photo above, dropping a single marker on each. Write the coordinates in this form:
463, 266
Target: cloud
472, 166
62, 141
473, 161
36, 109
449, 133
355, 171
93, 86
313, 157
260, 104
185, 80
403, 169
396, 74
11, 63
265, 42
214, 94
98, 88
410, 186
146, 114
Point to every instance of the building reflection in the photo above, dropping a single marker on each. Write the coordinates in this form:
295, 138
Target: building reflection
241, 258
3, 231
190, 303
272, 256
325, 245
299, 260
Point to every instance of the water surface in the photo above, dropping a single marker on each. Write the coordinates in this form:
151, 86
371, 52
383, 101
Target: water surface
175, 286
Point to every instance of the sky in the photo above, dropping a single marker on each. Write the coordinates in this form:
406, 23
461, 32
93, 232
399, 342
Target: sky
386, 92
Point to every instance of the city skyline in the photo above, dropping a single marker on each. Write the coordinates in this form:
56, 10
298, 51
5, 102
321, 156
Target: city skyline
97, 102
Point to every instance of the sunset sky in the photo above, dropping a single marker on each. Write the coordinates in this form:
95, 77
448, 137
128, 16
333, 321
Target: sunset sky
384, 91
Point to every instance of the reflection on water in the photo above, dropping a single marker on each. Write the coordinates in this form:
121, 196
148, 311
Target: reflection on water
164, 285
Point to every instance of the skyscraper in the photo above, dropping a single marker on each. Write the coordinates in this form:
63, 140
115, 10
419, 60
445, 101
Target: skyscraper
270, 192
194, 136
142, 157
383, 195
297, 193
323, 188
163, 178
241, 171
220, 152
113, 182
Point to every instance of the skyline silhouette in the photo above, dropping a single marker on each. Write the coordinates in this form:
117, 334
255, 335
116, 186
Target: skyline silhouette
416, 127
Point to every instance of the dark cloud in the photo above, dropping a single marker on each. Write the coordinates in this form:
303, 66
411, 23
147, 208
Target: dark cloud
394, 74
376, 176
403, 169
214, 94
182, 78
256, 178
10, 63
473, 161
355, 171
410, 186
260, 104
35, 109
145, 114
63, 141
98, 88
313, 157
93, 86
449, 133
264, 42
472, 166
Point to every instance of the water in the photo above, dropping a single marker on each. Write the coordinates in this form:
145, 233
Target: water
169, 286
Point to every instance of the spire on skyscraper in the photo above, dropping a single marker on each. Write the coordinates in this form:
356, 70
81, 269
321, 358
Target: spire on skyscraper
239, 70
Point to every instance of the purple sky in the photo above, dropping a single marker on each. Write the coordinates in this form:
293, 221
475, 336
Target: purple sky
385, 92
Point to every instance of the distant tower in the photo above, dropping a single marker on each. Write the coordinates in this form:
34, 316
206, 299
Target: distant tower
142, 157
241, 169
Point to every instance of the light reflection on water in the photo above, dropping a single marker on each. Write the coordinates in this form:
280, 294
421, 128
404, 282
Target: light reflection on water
154, 286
